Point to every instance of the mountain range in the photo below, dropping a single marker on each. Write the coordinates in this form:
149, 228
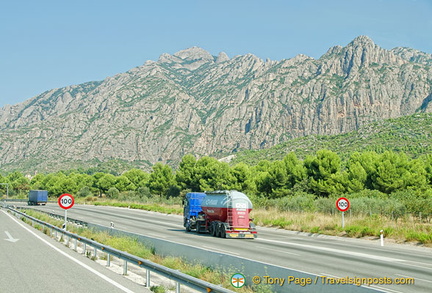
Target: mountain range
194, 102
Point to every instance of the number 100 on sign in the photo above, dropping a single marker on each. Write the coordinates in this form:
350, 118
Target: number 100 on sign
343, 204
66, 201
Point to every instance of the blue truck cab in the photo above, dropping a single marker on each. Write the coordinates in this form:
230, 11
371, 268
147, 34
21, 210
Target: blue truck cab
192, 207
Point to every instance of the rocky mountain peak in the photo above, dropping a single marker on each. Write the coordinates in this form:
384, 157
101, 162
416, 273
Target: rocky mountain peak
222, 57
362, 41
194, 53
363, 52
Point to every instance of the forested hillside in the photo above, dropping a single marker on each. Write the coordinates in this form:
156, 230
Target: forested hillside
411, 135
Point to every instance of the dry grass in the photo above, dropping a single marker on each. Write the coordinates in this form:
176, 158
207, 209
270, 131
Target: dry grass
406, 229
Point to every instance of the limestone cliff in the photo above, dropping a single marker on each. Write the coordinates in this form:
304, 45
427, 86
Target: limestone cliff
193, 102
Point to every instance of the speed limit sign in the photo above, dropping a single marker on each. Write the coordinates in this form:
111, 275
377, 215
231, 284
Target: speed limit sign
343, 204
66, 201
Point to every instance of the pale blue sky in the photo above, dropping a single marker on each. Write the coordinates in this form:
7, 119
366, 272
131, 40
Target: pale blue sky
48, 44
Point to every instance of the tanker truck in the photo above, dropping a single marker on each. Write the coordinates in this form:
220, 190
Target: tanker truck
222, 213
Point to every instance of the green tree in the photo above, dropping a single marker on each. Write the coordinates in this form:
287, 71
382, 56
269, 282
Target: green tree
263, 183
11, 177
82, 180
105, 183
212, 175
324, 172
395, 172
294, 168
124, 184
53, 182
355, 177
186, 174
368, 161
243, 178
427, 162
138, 177
21, 184
113, 192
36, 181
161, 179
278, 179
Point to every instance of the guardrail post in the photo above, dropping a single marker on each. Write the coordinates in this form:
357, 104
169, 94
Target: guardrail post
108, 259
177, 287
95, 252
85, 248
147, 278
125, 268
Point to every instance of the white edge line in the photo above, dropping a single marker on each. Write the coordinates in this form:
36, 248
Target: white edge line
220, 250
414, 278
382, 288
121, 287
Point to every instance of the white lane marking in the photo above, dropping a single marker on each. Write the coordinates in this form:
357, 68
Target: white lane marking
121, 287
382, 288
220, 250
277, 250
10, 238
337, 251
405, 276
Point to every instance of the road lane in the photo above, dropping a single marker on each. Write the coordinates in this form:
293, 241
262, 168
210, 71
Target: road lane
323, 255
37, 263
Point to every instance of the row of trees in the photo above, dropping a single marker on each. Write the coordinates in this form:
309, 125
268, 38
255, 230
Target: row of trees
323, 174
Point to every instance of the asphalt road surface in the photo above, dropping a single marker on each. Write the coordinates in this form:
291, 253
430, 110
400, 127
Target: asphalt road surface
30, 261
325, 256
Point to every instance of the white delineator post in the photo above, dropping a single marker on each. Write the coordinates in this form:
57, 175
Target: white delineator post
382, 237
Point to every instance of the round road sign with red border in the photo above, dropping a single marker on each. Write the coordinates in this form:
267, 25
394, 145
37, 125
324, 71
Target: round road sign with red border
343, 204
66, 201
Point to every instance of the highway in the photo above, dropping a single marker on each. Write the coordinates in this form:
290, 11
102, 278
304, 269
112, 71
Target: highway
33, 262
325, 256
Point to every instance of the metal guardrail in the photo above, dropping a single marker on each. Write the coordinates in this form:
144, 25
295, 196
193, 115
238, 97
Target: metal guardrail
175, 275
22, 200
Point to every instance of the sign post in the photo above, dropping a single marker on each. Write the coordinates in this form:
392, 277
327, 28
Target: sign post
343, 204
66, 201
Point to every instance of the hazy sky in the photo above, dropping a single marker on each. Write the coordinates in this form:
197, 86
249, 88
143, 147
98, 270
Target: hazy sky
51, 44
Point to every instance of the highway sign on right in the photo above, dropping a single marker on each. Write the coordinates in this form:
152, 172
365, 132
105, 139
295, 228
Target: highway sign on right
343, 204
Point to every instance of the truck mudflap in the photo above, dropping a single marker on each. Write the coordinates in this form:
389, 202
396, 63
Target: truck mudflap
241, 234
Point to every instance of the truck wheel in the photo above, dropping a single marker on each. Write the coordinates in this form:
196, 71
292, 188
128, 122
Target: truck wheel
218, 228
213, 229
198, 226
223, 232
